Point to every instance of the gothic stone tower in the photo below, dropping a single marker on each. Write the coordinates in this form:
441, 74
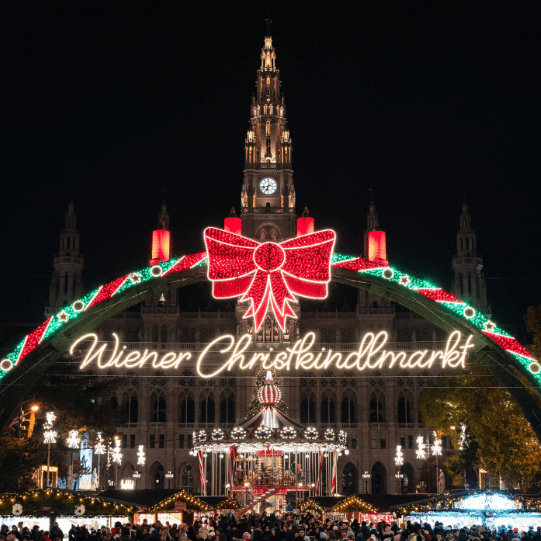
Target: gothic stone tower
67, 280
469, 282
268, 193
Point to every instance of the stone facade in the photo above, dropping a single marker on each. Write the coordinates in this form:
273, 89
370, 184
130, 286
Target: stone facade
163, 409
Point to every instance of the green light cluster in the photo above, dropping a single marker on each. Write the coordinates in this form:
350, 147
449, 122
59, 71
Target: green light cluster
338, 258
146, 274
414, 283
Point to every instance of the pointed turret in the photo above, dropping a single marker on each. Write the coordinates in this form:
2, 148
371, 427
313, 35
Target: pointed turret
469, 282
268, 176
67, 280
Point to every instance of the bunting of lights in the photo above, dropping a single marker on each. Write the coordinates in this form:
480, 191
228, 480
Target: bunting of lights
69, 314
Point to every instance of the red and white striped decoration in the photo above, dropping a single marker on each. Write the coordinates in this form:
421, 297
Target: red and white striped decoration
269, 395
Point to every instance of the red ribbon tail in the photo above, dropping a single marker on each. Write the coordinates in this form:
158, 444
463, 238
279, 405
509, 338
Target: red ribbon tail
258, 293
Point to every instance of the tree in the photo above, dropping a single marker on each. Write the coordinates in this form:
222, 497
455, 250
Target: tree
500, 439
19, 457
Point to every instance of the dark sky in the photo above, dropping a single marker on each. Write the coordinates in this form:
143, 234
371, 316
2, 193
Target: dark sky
423, 102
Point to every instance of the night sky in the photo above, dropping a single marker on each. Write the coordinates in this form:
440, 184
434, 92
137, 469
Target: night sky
425, 104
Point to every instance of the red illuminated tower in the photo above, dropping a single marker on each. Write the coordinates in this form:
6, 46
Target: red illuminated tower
268, 192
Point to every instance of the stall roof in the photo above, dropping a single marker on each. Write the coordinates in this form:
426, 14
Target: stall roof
145, 498
382, 502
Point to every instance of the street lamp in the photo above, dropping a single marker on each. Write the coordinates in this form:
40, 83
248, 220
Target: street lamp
73, 443
399, 461
399, 476
50, 437
436, 451
227, 489
136, 475
99, 449
366, 477
246, 485
169, 475
117, 458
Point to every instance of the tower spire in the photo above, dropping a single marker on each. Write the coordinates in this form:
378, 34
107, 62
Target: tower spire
268, 187
67, 280
469, 282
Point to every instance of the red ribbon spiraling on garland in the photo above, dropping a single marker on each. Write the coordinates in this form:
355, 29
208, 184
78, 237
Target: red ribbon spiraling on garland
269, 273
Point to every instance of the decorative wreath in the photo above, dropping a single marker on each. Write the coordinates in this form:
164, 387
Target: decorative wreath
262, 432
342, 436
311, 433
238, 433
17, 509
217, 434
288, 433
80, 510
202, 436
329, 434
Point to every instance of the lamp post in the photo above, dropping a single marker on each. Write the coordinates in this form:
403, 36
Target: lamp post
366, 477
73, 443
399, 476
313, 488
227, 489
117, 458
169, 475
99, 449
398, 462
136, 475
436, 451
50, 437
246, 485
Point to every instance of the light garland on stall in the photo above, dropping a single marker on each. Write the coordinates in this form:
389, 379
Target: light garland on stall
352, 504
192, 502
38, 503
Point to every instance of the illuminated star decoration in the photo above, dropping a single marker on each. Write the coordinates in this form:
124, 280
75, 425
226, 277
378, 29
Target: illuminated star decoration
99, 447
404, 280
117, 453
73, 439
421, 446
269, 274
399, 458
135, 277
63, 316
141, 456
436, 447
49, 434
489, 326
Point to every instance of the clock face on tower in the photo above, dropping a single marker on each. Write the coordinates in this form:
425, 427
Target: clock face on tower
268, 186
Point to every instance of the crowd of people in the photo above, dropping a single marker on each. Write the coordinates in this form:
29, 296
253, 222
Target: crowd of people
271, 527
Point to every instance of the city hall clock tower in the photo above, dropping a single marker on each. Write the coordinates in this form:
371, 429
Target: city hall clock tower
268, 192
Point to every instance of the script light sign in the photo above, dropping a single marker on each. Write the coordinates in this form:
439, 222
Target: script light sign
228, 353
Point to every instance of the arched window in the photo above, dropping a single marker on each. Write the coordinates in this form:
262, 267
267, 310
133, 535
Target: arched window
405, 411
349, 479
347, 407
227, 408
207, 409
323, 335
163, 333
154, 333
327, 410
186, 478
130, 404
157, 474
379, 479
330, 335
308, 408
408, 481
114, 402
377, 407
158, 407
186, 408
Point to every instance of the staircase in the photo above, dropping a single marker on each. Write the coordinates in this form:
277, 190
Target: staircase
259, 499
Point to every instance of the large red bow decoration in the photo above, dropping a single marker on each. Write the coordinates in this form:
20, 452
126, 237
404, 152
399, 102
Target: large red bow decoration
269, 273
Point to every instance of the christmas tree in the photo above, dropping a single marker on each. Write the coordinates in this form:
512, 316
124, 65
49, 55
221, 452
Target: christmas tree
260, 380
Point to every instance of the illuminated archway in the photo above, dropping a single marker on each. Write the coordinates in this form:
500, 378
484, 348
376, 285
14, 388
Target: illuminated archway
22, 365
